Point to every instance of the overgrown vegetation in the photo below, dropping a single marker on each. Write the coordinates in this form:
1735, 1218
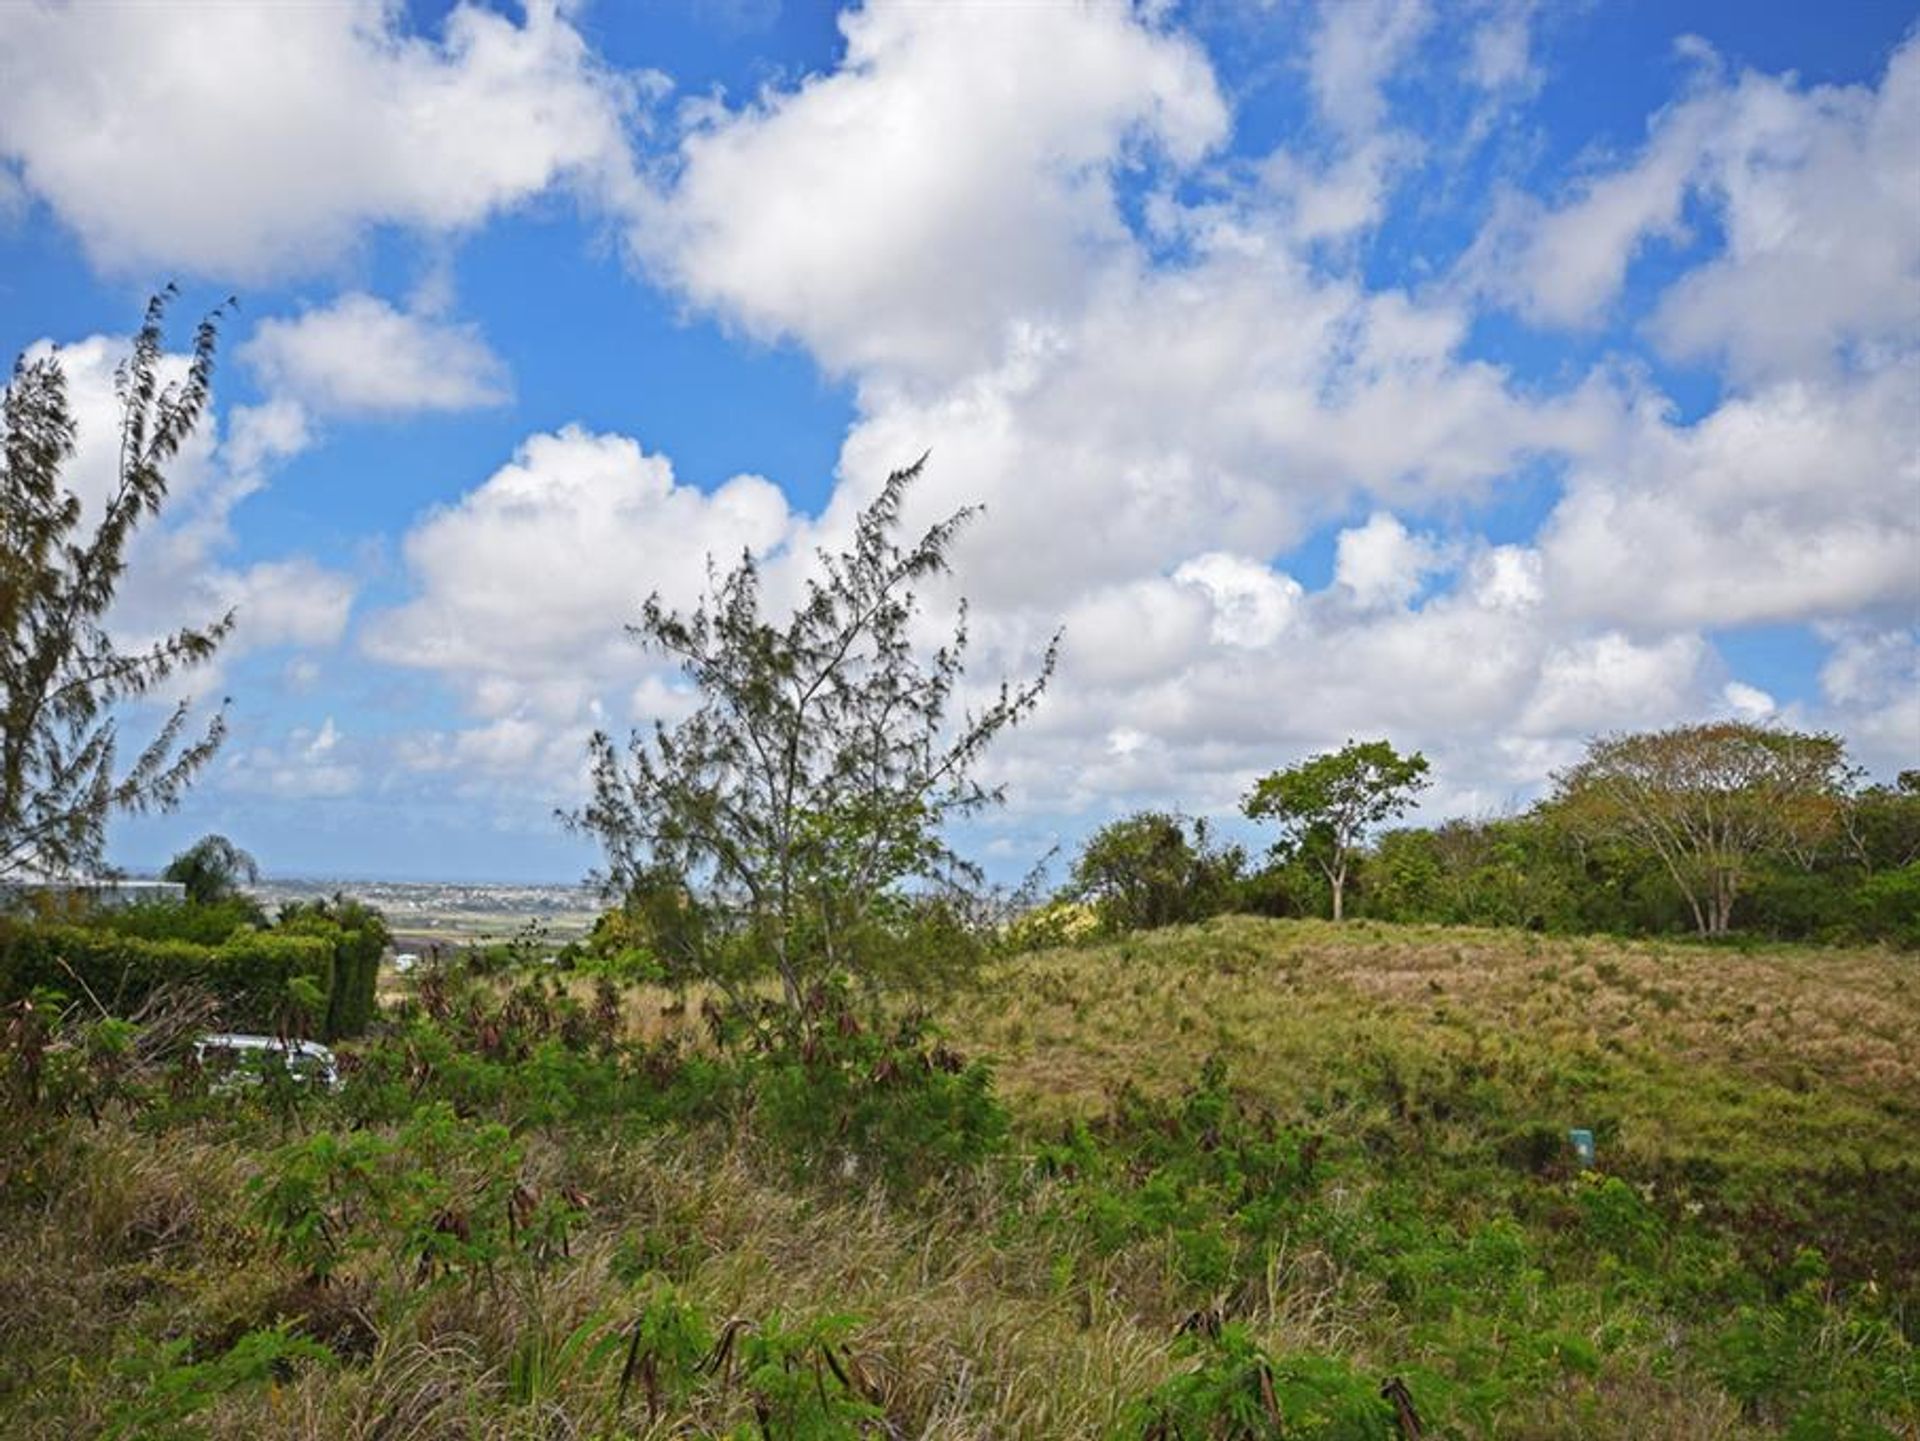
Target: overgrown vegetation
1256, 1178
1752, 835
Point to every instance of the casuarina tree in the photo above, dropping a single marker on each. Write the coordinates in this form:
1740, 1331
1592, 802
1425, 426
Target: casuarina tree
800, 809
64, 767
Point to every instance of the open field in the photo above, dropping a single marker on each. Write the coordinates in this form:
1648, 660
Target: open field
1670, 1051
1236, 1177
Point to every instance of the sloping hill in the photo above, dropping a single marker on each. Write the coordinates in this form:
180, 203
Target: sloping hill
1670, 1051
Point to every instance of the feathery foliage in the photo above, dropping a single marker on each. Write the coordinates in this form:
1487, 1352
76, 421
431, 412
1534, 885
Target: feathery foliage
212, 869
782, 823
63, 674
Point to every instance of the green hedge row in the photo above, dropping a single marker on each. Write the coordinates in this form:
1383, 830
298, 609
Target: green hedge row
203, 923
249, 971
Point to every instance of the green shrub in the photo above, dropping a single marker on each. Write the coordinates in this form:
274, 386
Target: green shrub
1153, 869
628, 966
1216, 1179
1820, 1370
439, 1197
1887, 907
843, 1098
1238, 1393
1618, 1220
535, 1057
172, 1386
667, 1344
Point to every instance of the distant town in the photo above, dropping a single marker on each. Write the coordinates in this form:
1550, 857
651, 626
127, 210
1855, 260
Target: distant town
425, 912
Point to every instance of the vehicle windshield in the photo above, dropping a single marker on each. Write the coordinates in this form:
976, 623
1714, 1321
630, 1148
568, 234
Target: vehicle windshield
228, 1059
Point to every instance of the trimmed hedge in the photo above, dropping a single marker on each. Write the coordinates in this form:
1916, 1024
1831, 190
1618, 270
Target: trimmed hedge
356, 966
204, 923
249, 971
359, 938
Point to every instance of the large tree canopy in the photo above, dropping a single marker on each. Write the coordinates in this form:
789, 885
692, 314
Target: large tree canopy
1326, 805
780, 821
64, 676
1709, 800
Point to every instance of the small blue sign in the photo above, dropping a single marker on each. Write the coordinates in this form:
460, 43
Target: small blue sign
1582, 1145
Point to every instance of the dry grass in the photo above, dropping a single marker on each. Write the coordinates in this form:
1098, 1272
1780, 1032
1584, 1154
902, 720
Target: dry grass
1693, 1049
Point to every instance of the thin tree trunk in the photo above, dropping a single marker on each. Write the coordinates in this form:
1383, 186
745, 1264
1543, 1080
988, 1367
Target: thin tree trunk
1702, 922
1723, 893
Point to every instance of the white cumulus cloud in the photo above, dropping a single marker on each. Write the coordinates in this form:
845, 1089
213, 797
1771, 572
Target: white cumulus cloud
1816, 188
249, 141
524, 585
952, 177
360, 356
1799, 502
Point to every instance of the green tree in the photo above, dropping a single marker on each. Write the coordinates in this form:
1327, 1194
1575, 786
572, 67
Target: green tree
1882, 824
783, 820
1711, 801
62, 676
1326, 805
1154, 869
212, 869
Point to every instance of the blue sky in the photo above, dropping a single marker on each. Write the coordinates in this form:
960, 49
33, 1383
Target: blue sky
1484, 375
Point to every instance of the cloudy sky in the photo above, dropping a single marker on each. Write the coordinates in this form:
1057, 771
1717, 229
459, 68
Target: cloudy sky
1483, 375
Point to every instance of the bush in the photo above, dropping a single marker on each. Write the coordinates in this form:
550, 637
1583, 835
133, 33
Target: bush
170, 1386
438, 1196
847, 1099
1215, 1177
1284, 889
1887, 907
1237, 1391
1153, 869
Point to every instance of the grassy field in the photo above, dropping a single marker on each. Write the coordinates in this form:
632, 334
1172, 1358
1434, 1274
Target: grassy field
1227, 1181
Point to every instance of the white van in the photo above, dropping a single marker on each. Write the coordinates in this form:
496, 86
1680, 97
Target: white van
232, 1059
